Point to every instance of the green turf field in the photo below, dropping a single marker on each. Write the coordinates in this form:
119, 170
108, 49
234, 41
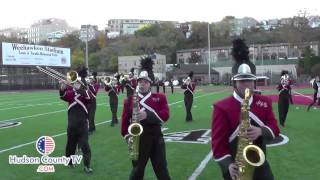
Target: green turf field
42, 113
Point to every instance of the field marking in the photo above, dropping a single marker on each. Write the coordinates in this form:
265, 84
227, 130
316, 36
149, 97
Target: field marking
303, 95
27, 100
25, 144
41, 114
30, 105
32, 142
201, 166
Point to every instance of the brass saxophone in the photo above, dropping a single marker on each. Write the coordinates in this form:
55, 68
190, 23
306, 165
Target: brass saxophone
135, 129
248, 156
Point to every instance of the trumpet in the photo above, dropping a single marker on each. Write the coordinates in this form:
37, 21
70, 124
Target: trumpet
186, 81
109, 81
70, 79
124, 78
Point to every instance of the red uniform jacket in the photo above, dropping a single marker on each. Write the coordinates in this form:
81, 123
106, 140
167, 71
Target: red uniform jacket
132, 83
154, 104
284, 86
112, 89
94, 88
189, 88
225, 125
74, 97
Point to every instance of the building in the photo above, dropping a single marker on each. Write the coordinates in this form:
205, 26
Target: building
129, 26
243, 23
19, 33
314, 21
200, 71
90, 30
125, 63
42, 29
258, 53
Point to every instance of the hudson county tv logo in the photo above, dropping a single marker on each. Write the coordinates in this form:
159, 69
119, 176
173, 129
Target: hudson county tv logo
45, 145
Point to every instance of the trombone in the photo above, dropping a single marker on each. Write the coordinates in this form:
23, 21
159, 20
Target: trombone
70, 79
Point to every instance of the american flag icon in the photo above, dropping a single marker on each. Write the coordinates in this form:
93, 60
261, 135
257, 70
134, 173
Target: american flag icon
45, 145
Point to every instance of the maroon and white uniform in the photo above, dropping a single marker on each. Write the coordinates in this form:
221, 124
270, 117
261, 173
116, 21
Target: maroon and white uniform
93, 89
113, 92
188, 98
225, 126
154, 104
77, 131
131, 85
76, 98
152, 145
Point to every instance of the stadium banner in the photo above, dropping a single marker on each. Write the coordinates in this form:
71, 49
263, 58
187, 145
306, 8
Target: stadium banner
35, 55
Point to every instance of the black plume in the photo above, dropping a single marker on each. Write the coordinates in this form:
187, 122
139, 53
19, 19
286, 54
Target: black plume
94, 74
191, 74
283, 72
82, 71
117, 76
132, 70
146, 64
240, 53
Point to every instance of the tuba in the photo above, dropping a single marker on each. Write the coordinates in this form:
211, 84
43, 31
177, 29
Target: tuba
135, 129
248, 156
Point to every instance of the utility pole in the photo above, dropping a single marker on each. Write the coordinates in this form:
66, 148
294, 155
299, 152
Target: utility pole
87, 56
209, 53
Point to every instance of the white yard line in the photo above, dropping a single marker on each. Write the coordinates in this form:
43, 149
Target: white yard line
4, 103
303, 95
30, 105
32, 142
201, 166
25, 144
41, 114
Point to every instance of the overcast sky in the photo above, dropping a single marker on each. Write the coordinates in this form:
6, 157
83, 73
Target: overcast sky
22, 13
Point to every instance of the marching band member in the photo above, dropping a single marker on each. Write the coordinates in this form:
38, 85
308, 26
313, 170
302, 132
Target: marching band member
94, 88
225, 127
154, 111
171, 85
131, 83
188, 86
111, 87
78, 98
284, 89
316, 94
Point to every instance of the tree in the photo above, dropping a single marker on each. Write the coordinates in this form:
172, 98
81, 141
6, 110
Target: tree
102, 40
94, 62
148, 31
77, 58
195, 58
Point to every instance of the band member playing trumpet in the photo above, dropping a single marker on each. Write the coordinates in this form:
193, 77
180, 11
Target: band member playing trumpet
227, 117
154, 111
188, 86
111, 87
94, 88
78, 98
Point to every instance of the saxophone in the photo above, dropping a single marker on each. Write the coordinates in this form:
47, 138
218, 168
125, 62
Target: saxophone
135, 129
248, 156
